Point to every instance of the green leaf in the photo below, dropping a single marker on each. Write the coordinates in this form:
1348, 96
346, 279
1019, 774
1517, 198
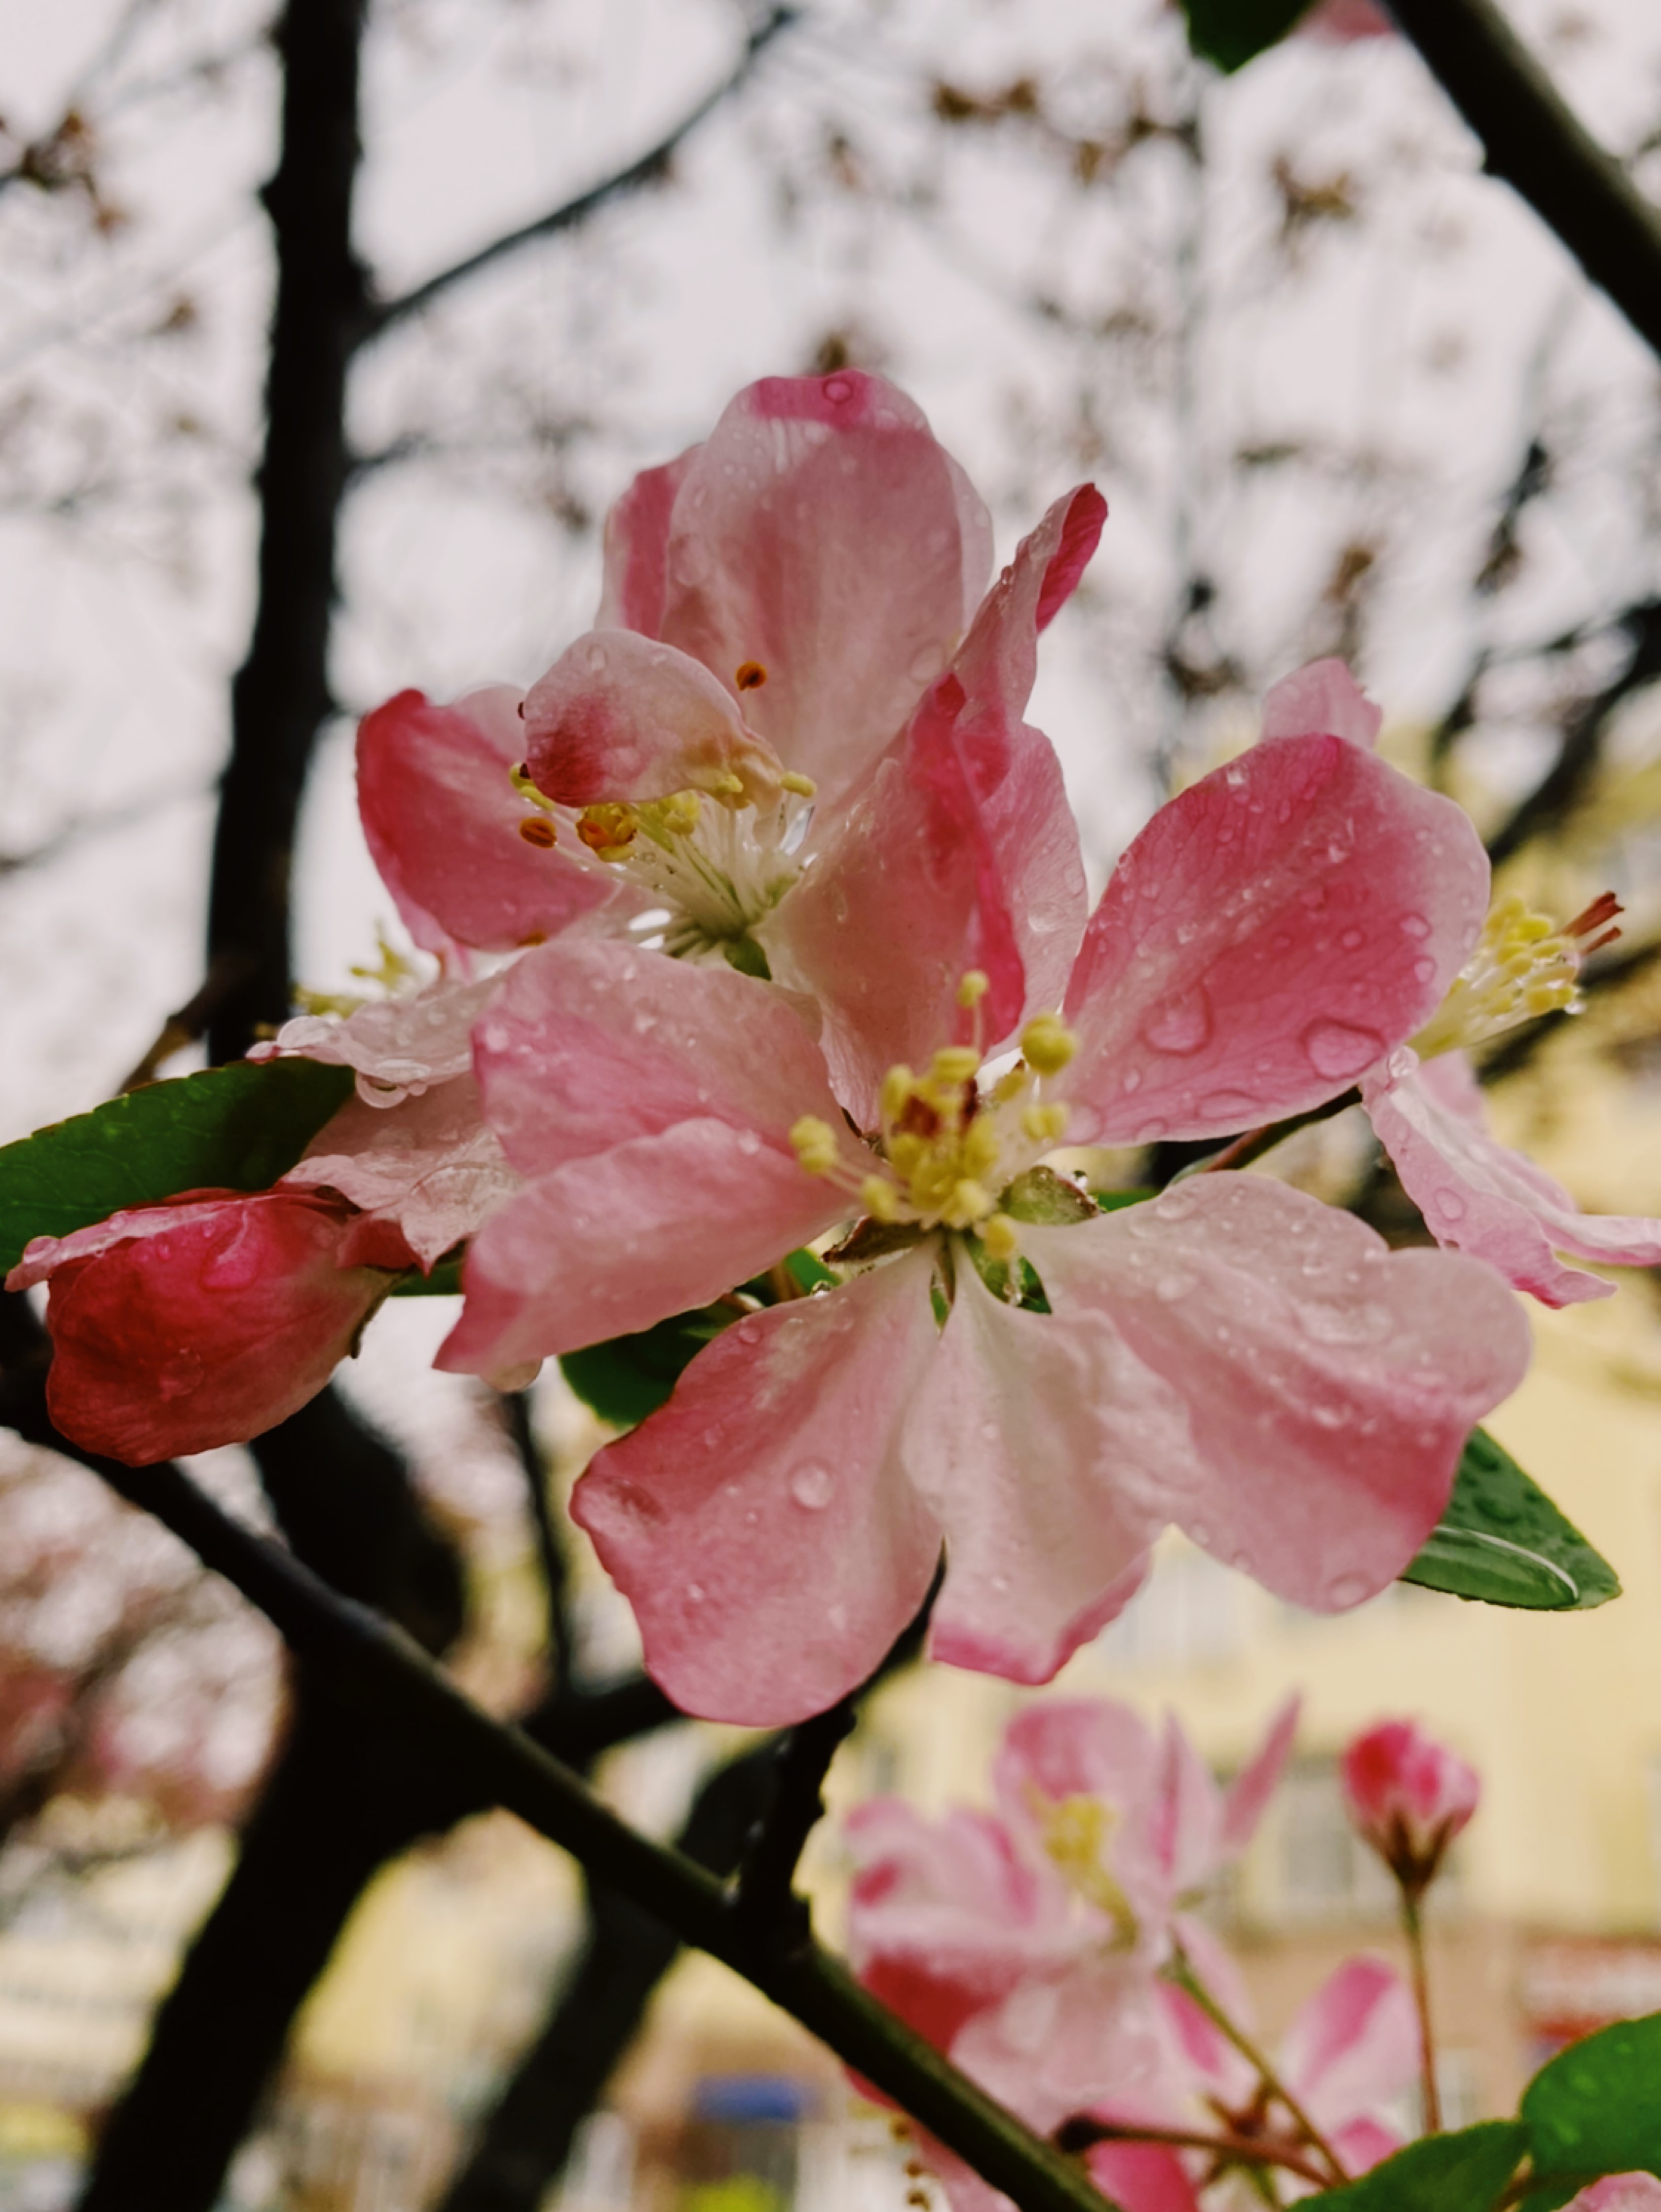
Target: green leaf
628, 1378
443, 1282
1111, 1201
1502, 1540
1232, 33
1596, 2108
228, 1129
1463, 2172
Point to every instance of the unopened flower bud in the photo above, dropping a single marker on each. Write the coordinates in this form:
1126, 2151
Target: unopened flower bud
1408, 1796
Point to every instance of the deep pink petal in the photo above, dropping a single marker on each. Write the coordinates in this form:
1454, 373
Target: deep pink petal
637, 549
1329, 1384
619, 716
823, 533
1481, 1197
1323, 699
1013, 1441
590, 1043
430, 1165
761, 1525
1142, 2178
609, 1245
203, 1322
1353, 2047
1269, 935
1249, 1793
1405, 1792
442, 824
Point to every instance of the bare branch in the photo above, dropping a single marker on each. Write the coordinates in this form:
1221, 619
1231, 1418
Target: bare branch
647, 170
1534, 140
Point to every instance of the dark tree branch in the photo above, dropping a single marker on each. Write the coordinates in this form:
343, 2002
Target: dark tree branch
1533, 139
524, 2143
550, 1552
765, 1907
1560, 790
281, 697
648, 169
383, 1679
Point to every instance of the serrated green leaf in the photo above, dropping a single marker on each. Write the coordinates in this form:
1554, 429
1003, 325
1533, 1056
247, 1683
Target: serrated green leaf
1467, 2171
1596, 2108
1502, 1540
227, 1128
1232, 33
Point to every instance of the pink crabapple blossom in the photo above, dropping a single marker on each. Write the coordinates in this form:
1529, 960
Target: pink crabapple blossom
1233, 1356
1408, 1796
1477, 1196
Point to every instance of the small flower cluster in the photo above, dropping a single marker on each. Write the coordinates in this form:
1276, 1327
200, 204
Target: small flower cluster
769, 839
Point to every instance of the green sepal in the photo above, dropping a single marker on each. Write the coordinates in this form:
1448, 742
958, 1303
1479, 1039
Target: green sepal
1231, 33
443, 1282
1502, 1540
628, 1378
1467, 2171
1595, 2109
1114, 1201
237, 1127
744, 954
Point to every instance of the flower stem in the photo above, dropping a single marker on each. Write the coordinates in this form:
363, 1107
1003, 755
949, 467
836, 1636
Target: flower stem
1413, 1928
1242, 2150
1240, 1152
1181, 1972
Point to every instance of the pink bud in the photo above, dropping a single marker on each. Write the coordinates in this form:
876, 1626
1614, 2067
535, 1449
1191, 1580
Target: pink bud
1408, 1796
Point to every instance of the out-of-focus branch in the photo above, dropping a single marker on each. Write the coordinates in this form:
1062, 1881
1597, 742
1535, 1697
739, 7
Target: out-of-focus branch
766, 1906
648, 169
281, 697
1533, 139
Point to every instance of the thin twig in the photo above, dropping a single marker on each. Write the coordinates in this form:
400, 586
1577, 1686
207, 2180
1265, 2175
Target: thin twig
550, 1554
1533, 139
648, 169
1181, 1972
1247, 2150
765, 1904
1240, 1152
1413, 1928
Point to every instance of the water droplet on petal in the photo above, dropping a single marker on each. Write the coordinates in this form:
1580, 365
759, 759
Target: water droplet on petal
1353, 939
695, 1593
837, 1615
1345, 1590
1182, 1024
1175, 1206
1336, 1049
813, 1484
1230, 1106
1451, 1205
1414, 925
1171, 1288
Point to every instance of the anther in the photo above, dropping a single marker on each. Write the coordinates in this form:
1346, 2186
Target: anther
813, 1143
973, 988
880, 1199
1047, 1045
1045, 1125
954, 1064
537, 830
799, 787
520, 778
1001, 1237
608, 829
749, 676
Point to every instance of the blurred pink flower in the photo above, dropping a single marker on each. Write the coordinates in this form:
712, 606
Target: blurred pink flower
1409, 1796
1619, 2192
1476, 1195
1235, 1357
1344, 21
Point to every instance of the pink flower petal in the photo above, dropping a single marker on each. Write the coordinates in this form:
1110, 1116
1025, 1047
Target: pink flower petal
619, 716
1061, 2041
429, 1165
588, 1043
1065, 1748
1019, 1427
637, 549
203, 1322
1323, 699
1142, 2178
442, 823
761, 1525
823, 533
1250, 1791
1353, 2047
1619, 2192
1481, 1197
1190, 1816
1329, 1384
1269, 935
398, 1045
609, 1245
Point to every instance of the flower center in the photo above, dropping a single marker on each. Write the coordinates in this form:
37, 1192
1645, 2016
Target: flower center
715, 866
1077, 1833
946, 1148
1523, 965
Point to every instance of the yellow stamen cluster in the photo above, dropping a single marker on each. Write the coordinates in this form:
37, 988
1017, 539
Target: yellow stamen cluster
1077, 1833
1523, 965
813, 1143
